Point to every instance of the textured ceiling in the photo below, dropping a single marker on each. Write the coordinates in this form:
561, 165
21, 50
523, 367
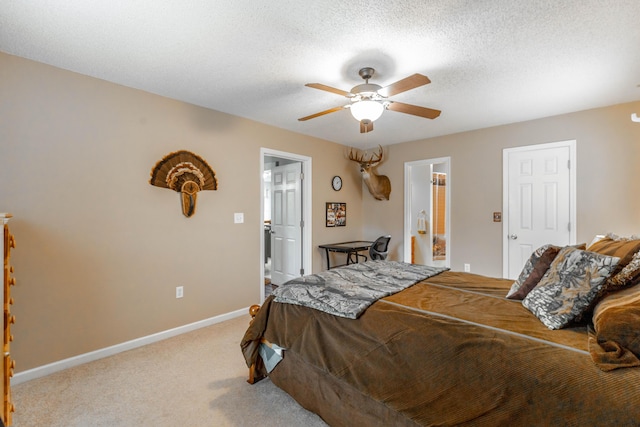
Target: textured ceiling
491, 62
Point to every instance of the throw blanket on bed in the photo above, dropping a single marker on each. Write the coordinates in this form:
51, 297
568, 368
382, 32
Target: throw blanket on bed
348, 291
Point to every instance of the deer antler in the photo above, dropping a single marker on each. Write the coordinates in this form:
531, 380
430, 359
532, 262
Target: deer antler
355, 157
375, 158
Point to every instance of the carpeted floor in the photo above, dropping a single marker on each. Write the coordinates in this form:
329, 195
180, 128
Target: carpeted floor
195, 379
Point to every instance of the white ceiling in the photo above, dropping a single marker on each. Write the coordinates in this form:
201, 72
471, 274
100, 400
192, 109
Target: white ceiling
491, 62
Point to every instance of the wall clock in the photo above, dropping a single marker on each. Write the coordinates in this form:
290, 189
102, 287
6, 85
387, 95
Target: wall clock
336, 183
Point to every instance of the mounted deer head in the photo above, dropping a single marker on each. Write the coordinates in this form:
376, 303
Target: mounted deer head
379, 185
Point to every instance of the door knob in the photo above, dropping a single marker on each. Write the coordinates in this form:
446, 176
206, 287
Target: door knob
513, 236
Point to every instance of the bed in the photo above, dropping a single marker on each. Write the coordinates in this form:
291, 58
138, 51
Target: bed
452, 349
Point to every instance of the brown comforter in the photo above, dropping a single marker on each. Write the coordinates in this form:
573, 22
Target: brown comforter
448, 351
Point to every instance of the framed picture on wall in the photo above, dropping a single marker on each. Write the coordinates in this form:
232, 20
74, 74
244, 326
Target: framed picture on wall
336, 214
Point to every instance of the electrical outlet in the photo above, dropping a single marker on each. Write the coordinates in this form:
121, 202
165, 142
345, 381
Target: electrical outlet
179, 291
238, 218
467, 267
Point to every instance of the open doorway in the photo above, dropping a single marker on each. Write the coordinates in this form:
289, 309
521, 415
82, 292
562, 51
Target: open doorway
285, 228
427, 225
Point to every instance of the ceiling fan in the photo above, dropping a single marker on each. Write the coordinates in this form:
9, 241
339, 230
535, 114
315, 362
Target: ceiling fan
369, 100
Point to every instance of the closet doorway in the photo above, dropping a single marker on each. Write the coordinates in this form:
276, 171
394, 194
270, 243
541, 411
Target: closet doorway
427, 212
285, 234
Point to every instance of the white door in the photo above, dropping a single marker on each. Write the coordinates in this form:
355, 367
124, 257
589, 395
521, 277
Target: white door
539, 193
286, 222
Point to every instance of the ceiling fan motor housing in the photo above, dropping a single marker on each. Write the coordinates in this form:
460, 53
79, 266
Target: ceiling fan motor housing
366, 90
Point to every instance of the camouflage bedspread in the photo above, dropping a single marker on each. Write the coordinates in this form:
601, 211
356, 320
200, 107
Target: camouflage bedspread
349, 290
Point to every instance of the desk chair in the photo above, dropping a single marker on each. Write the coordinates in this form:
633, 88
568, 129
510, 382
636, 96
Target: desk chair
378, 250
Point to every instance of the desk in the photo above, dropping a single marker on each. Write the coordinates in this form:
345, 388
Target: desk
348, 248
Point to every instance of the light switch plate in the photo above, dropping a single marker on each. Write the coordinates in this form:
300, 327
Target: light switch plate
238, 218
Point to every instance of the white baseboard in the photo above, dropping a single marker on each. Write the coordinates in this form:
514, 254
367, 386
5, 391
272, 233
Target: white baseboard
42, 371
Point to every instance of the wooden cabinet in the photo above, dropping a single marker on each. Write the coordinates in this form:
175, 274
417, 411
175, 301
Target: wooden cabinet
8, 320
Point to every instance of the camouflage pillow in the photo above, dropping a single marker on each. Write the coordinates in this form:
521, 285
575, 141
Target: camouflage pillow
516, 291
625, 249
573, 282
628, 276
539, 269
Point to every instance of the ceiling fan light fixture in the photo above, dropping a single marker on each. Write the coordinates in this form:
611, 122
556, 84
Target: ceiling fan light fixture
366, 110
368, 101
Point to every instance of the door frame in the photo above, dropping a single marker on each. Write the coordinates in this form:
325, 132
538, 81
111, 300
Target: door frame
571, 144
408, 208
306, 209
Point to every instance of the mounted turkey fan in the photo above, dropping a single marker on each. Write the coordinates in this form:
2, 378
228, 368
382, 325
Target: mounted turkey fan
186, 173
369, 100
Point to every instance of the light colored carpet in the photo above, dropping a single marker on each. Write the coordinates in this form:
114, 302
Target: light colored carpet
195, 379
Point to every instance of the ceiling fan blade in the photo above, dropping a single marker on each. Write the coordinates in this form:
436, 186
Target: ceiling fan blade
329, 89
404, 85
366, 126
321, 113
413, 109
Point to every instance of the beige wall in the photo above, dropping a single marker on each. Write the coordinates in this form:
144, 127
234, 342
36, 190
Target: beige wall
608, 153
99, 250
